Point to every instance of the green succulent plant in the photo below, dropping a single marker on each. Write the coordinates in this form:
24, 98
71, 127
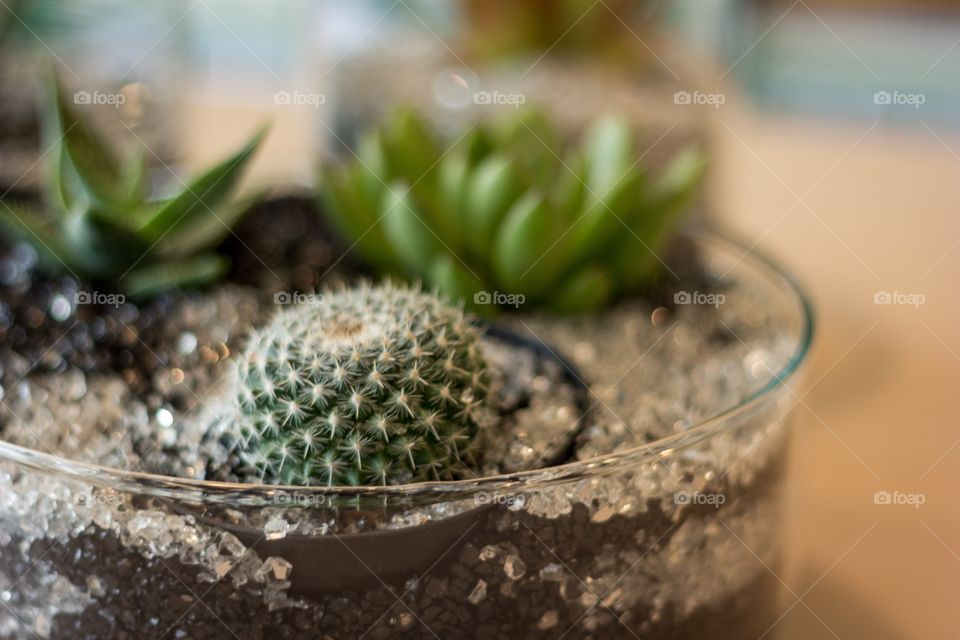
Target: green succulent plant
512, 208
99, 221
372, 385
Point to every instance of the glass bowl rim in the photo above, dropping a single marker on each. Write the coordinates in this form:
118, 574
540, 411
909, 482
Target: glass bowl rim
229, 493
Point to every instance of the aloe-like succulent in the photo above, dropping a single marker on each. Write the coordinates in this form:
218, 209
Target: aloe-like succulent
372, 385
511, 208
98, 219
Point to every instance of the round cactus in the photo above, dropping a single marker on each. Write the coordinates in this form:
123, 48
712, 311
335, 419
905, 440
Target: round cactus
366, 386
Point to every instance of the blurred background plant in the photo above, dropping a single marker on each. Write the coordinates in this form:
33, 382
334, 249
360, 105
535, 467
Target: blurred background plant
101, 219
512, 207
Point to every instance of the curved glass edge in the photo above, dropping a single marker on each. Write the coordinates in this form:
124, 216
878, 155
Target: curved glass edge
237, 494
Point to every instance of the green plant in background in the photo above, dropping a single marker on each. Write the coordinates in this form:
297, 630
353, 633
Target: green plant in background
373, 385
99, 221
512, 208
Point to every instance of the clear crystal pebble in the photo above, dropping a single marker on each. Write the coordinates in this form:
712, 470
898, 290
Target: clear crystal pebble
222, 568
479, 592
552, 572
230, 544
42, 626
548, 620
164, 417
276, 529
187, 343
95, 586
60, 307
489, 552
406, 620
275, 569
514, 567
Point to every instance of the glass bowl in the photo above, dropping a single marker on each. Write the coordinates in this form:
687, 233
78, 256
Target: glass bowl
672, 538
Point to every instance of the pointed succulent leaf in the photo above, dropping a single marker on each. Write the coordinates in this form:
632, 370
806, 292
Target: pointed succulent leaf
415, 243
534, 143
608, 152
452, 181
636, 260
681, 179
372, 173
152, 279
604, 218
203, 194
477, 144
61, 190
136, 188
410, 149
494, 186
526, 252
104, 248
26, 223
569, 189
453, 280
206, 232
585, 290
452, 184
355, 219
97, 167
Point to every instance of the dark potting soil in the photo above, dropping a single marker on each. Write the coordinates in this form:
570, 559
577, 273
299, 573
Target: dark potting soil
285, 244
282, 245
153, 599
44, 329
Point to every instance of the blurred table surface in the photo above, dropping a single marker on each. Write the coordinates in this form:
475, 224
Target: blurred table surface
854, 208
